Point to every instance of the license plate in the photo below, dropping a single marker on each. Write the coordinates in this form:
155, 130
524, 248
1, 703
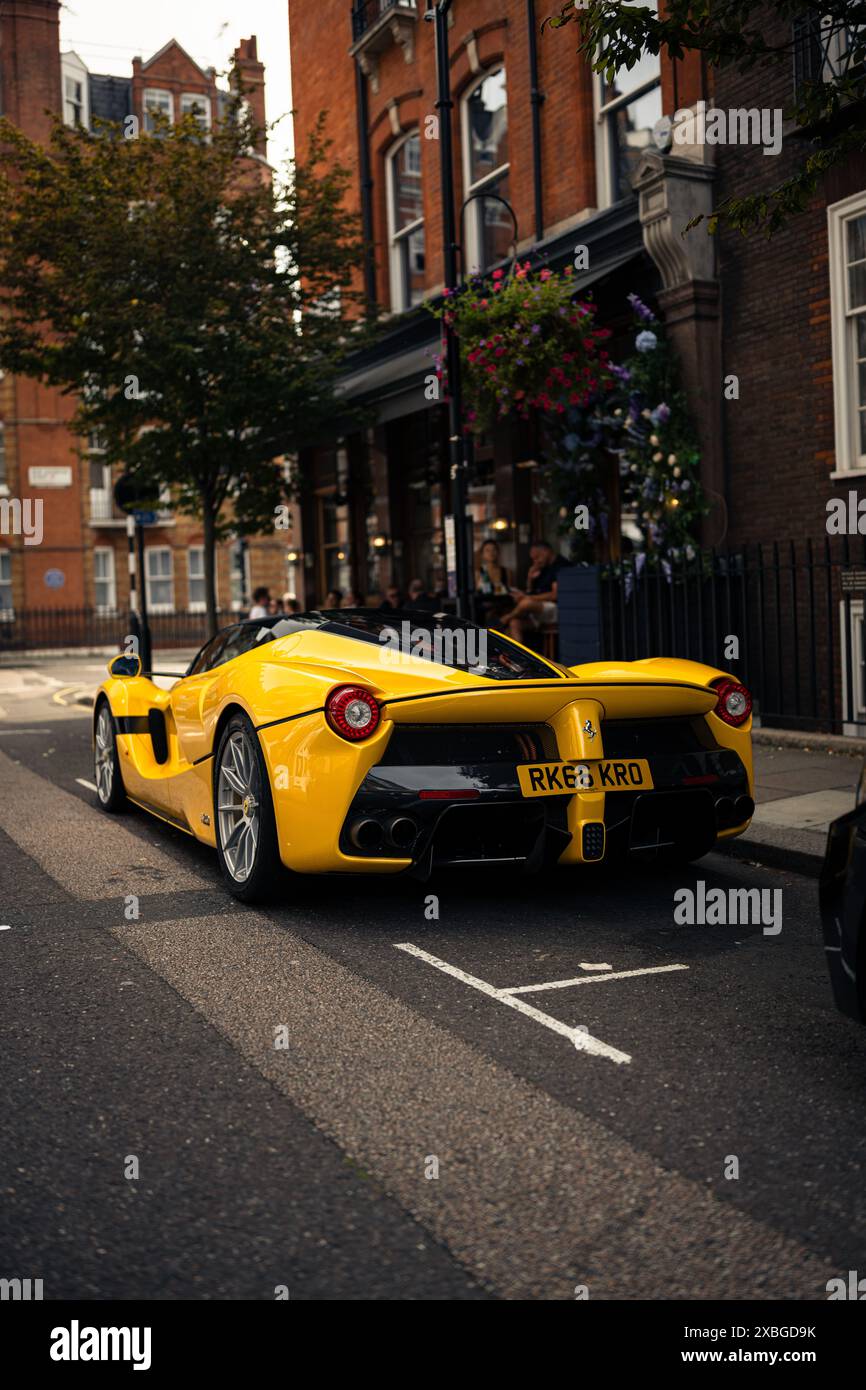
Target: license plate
606, 775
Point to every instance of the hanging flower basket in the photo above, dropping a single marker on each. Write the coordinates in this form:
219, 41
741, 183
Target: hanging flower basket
526, 343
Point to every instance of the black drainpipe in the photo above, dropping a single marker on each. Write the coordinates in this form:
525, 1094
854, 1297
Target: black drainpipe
366, 184
536, 98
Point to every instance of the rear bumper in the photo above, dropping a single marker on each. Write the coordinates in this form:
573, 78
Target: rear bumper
436, 816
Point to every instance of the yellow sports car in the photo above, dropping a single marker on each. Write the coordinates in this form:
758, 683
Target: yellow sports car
353, 741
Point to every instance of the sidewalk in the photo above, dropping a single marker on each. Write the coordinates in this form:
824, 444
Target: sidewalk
798, 792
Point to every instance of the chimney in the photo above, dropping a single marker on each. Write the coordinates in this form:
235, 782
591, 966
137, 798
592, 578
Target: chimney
252, 76
30, 64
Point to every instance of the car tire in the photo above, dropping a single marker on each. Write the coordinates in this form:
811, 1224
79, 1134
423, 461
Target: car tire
246, 831
110, 792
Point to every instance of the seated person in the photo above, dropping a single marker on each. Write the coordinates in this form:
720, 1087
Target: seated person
536, 605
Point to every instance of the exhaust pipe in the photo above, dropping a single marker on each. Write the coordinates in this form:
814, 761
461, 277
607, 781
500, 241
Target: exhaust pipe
402, 832
744, 808
725, 811
366, 834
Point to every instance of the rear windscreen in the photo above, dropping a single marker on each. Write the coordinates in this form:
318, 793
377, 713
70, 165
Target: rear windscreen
436, 637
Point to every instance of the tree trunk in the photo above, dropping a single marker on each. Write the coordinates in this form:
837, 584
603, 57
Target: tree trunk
209, 518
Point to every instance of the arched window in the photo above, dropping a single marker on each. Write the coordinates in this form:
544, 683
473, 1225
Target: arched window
406, 223
489, 228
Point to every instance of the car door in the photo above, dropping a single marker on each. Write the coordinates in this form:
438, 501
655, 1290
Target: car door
190, 697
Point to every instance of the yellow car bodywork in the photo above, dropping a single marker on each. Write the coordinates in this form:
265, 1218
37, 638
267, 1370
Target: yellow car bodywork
314, 773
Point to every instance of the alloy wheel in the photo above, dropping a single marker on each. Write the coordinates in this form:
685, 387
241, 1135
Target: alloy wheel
238, 806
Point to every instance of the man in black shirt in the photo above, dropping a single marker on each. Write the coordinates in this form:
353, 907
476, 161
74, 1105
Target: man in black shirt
536, 605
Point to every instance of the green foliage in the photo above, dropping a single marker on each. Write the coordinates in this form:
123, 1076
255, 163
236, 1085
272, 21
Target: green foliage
732, 34
194, 306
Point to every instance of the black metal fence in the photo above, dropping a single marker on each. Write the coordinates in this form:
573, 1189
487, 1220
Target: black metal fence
42, 629
786, 619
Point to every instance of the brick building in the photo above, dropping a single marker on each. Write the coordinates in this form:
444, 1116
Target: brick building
81, 561
531, 125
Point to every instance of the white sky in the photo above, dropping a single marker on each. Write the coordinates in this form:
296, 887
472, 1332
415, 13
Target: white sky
107, 36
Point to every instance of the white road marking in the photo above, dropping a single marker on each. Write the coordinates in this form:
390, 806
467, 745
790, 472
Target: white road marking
593, 979
582, 1039
7, 927
14, 733
584, 965
89, 785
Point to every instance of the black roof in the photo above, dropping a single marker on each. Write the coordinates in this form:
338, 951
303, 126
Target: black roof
110, 97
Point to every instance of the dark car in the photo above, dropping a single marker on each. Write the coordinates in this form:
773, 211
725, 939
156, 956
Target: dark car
843, 907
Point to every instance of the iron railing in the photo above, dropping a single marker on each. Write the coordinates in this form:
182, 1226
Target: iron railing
43, 629
795, 610
366, 13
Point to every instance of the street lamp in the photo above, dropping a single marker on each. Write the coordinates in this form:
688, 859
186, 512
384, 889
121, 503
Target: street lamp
438, 14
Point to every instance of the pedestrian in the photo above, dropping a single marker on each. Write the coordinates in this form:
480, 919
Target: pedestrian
261, 599
392, 602
418, 599
333, 599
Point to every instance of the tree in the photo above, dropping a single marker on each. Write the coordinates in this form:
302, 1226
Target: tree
829, 41
197, 308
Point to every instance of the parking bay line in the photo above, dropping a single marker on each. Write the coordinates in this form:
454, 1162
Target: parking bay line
82, 783
579, 1037
593, 979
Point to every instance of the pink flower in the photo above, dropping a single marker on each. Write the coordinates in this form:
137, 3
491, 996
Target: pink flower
545, 274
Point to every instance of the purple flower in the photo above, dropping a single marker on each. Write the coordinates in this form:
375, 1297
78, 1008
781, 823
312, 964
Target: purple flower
621, 373
646, 315
536, 328
661, 414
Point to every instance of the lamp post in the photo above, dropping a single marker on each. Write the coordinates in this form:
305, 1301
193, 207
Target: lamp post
438, 13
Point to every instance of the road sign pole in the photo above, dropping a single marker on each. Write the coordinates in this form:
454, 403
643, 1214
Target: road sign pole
142, 600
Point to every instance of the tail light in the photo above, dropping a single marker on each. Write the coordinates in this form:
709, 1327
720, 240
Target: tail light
352, 712
734, 703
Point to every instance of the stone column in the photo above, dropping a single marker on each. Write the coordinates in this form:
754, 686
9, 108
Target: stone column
672, 189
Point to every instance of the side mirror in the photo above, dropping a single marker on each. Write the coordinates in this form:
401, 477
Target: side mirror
124, 666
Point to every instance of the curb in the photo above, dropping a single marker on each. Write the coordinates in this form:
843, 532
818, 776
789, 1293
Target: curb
809, 743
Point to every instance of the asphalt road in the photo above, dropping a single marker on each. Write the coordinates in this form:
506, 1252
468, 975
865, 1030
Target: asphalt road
603, 1164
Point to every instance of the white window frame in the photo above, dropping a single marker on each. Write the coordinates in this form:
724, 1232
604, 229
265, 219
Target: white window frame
6, 610
70, 103
858, 713
843, 327
400, 299
239, 605
204, 101
473, 209
151, 579
110, 579
3, 487
145, 110
197, 605
605, 139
